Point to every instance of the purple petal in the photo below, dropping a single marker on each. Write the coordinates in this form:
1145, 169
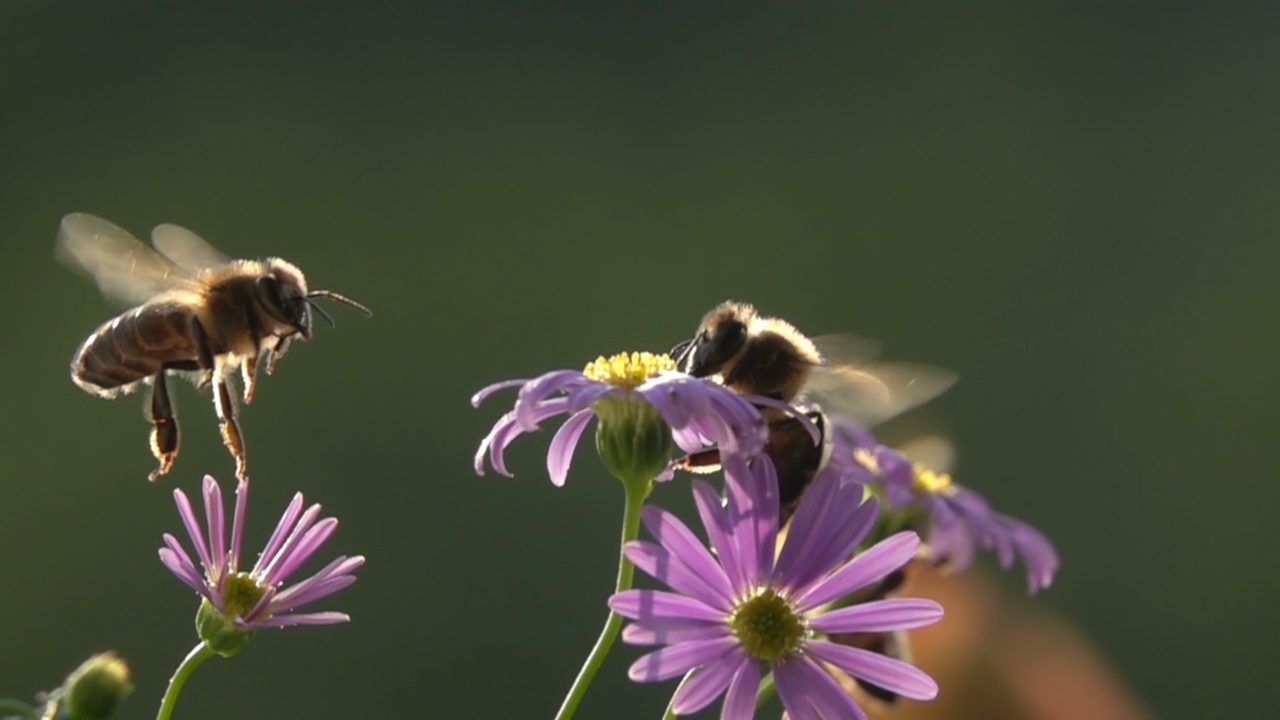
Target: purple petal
488, 390
716, 523
707, 583
678, 398
293, 555
581, 398
332, 578
317, 618
836, 549
676, 537
266, 563
237, 522
816, 519
560, 454
649, 605
879, 616
740, 701
793, 690
894, 675
824, 693
673, 660
800, 417
753, 514
536, 391
671, 632
508, 429
278, 535
707, 683
216, 519
1038, 554
870, 566
188, 516
181, 567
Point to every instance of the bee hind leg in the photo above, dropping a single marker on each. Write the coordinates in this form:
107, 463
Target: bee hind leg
164, 426
224, 405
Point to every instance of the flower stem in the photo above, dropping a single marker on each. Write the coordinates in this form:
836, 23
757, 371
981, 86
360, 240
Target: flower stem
198, 655
766, 691
17, 708
636, 492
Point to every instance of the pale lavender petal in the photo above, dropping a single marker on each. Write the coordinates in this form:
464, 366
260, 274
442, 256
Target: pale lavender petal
508, 429
488, 390
952, 544
263, 567
793, 690
874, 564
879, 616
216, 519
828, 698
237, 522
707, 582
330, 579
716, 523
188, 515
886, 672
278, 535
677, 397
671, 632
707, 683
753, 514
673, 660
740, 701
536, 391
688, 439
317, 618
181, 567
1038, 554
581, 398
293, 555
560, 454
648, 605
685, 546
312, 593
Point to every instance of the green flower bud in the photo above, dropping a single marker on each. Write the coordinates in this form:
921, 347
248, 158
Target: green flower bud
632, 438
94, 689
219, 632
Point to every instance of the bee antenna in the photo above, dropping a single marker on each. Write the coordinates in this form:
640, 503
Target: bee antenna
323, 314
340, 298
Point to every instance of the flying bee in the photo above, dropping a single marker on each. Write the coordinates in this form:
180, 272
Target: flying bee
829, 375
196, 313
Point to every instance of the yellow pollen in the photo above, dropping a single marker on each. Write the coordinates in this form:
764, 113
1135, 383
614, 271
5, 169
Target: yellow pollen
628, 369
867, 459
930, 482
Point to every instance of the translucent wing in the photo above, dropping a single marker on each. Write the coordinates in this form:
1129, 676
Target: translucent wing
185, 248
125, 270
933, 451
871, 393
846, 349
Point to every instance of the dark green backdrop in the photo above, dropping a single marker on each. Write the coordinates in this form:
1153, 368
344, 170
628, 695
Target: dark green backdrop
1074, 207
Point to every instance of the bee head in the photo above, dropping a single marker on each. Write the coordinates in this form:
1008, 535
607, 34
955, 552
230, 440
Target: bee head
720, 339
282, 291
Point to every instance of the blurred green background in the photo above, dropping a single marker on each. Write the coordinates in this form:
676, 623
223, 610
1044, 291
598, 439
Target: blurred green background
1074, 207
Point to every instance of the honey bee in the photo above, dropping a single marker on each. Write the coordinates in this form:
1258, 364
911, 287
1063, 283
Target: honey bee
196, 313
821, 376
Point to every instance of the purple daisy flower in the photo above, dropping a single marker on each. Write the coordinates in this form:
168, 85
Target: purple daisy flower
257, 598
643, 404
739, 608
959, 519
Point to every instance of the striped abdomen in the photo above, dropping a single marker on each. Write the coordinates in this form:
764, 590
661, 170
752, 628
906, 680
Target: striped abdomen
135, 346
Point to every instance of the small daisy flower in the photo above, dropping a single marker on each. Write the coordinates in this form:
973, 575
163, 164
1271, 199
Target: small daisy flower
237, 602
734, 611
644, 407
959, 519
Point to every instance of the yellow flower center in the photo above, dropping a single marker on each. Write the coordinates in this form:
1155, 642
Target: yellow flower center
628, 370
928, 482
867, 459
767, 626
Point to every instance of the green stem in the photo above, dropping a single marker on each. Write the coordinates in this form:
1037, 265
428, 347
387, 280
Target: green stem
670, 714
766, 691
11, 708
636, 492
198, 655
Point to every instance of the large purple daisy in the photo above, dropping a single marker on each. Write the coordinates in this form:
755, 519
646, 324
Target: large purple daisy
642, 399
738, 609
257, 598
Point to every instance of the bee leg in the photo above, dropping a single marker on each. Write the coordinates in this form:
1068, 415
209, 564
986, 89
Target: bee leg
164, 426
249, 371
703, 461
224, 405
276, 353
204, 354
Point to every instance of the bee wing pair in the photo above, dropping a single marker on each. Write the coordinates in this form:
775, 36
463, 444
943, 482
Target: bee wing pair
125, 269
850, 383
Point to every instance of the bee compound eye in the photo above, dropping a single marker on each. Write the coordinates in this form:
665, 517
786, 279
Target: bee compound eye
272, 299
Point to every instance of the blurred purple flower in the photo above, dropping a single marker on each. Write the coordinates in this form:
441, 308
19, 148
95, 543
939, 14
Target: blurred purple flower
739, 607
635, 388
959, 519
256, 599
